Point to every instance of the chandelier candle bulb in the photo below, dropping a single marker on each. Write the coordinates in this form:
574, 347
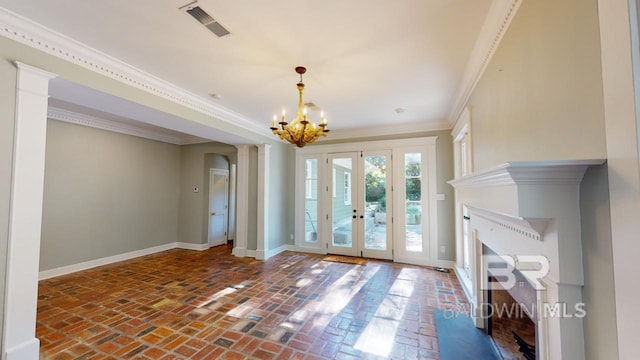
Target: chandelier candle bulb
300, 131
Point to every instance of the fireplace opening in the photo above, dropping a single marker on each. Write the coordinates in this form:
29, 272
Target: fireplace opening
510, 316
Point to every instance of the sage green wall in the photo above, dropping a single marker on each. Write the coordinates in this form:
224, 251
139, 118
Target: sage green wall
444, 172
105, 194
215, 161
193, 225
597, 256
540, 97
281, 195
195, 161
7, 115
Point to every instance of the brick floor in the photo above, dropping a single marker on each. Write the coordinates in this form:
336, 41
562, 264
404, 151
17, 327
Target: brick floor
182, 304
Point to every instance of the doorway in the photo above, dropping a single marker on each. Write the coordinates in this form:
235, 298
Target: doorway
374, 199
359, 196
218, 206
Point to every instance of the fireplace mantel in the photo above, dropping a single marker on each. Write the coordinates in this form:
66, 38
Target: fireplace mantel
529, 208
511, 188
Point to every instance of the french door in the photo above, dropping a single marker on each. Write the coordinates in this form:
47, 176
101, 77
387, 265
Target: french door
372, 199
359, 194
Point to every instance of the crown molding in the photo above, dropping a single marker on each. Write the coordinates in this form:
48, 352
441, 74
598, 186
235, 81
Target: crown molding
498, 19
385, 131
34, 35
561, 172
113, 126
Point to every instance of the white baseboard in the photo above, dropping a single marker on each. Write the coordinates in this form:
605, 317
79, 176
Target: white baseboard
27, 350
466, 285
190, 246
47, 274
266, 254
428, 262
310, 250
239, 252
278, 250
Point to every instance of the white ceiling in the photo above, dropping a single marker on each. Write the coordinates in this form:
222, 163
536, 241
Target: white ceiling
365, 58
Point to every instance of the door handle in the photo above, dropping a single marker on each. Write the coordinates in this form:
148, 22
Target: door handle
213, 213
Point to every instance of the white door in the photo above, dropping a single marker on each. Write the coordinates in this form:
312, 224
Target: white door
376, 202
343, 212
360, 194
218, 206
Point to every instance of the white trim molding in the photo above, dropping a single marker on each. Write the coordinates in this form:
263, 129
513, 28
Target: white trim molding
529, 173
94, 122
278, 250
498, 19
525, 210
242, 202
191, 246
427, 146
25, 214
264, 157
366, 145
409, 128
64, 270
533, 228
69, 269
30, 33
121, 128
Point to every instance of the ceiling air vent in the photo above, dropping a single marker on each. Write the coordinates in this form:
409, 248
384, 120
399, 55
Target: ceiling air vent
205, 19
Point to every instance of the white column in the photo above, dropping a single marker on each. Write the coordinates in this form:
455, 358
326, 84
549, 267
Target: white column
232, 203
242, 201
25, 217
623, 165
264, 154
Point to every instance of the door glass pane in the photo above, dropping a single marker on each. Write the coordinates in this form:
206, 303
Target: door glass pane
311, 201
413, 202
375, 188
342, 211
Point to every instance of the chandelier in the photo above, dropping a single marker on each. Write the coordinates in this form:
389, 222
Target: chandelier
301, 130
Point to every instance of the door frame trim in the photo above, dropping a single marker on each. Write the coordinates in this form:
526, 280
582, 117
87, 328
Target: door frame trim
321, 150
224, 172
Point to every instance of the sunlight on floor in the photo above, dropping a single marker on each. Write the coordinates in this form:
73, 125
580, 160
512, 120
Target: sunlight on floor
378, 337
340, 292
222, 293
303, 282
218, 295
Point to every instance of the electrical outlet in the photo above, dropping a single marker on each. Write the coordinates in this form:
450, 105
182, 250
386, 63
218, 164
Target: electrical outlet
443, 249
291, 236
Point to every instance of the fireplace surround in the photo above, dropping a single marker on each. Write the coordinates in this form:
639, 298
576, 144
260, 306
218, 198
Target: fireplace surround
528, 213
